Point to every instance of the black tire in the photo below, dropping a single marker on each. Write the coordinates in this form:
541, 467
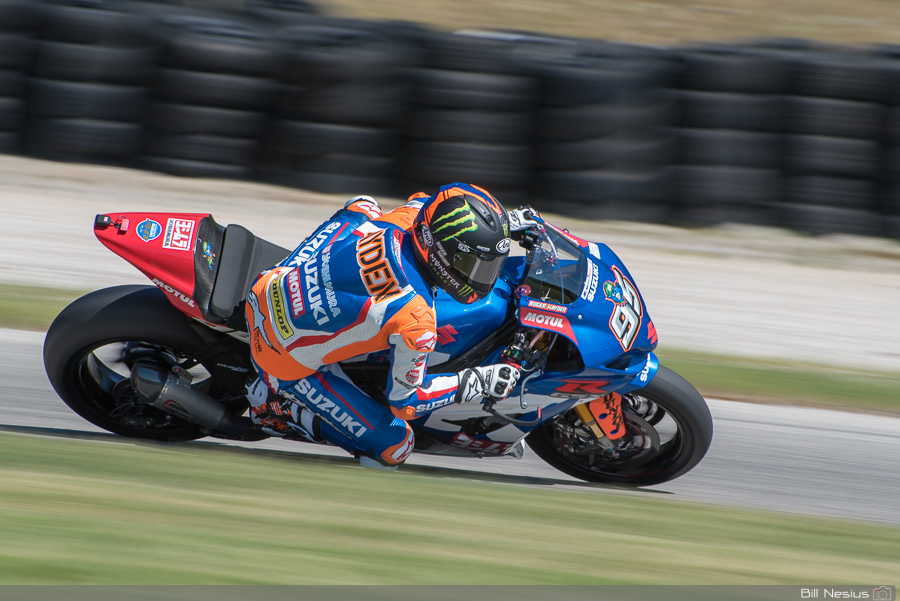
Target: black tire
309, 139
469, 90
727, 185
831, 192
596, 81
80, 62
729, 69
53, 99
603, 153
683, 406
363, 103
13, 83
188, 168
453, 125
74, 139
10, 142
20, 15
190, 119
16, 51
209, 149
731, 148
221, 46
835, 118
589, 121
639, 185
842, 76
482, 164
329, 183
842, 157
215, 89
97, 25
11, 117
105, 317
723, 110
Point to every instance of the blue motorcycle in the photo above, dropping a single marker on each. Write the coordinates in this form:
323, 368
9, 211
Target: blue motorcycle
593, 400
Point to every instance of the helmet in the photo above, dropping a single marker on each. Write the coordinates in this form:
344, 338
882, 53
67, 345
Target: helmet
461, 240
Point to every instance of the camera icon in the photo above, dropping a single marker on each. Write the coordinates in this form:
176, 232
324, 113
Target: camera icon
883, 593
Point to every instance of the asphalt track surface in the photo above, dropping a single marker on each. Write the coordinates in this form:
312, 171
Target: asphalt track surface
804, 461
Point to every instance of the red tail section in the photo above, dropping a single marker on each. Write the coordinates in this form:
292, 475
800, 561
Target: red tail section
161, 246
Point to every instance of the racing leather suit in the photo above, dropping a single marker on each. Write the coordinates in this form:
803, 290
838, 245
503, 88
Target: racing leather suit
352, 288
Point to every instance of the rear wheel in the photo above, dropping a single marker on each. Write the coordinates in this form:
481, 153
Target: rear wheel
93, 344
668, 431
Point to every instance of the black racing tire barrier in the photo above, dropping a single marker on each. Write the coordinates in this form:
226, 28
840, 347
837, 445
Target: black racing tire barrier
590, 121
831, 192
215, 89
11, 114
331, 183
189, 168
321, 53
192, 119
98, 23
843, 157
202, 148
309, 139
10, 142
13, 83
603, 153
86, 63
488, 165
363, 103
16, 51
835, 118
842, 76
891, 164
762, 214
355, 165
733, 69
219, 45
85, 140
470, 53
468, 125
720, 185
53, 99
640, 185
20, 15
456, 89
820, 220
734, 111
597, 81
279, 11
730, 148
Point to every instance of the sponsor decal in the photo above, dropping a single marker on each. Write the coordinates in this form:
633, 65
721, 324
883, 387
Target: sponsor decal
295, 293
279, 311
404, 384
414, 376
536, 304
580, 389
180, 296
489, 447
625, 321
590, 282
175, 409
565, 234
594, 250
148, 230
302, 254
464, 247
329, 410
374, 268
403, 452
433, 405
645, 373
426, 342
208, 254
548, 321
426, 236
445, 335
330, 296
179, 234
651, 332
241, 370
458, 221
503, 245
514, 222
311, 271
608, 411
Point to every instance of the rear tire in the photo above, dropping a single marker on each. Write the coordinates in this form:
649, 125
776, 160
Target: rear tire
650, 414
81, 360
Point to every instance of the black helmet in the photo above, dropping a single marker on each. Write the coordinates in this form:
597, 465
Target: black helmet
461, 237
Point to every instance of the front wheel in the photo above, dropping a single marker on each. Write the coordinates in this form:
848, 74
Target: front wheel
668, 431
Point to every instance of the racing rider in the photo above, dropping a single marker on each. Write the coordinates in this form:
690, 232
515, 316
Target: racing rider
365, 282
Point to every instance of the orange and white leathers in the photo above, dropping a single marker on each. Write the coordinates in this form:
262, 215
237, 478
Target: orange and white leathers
352, 288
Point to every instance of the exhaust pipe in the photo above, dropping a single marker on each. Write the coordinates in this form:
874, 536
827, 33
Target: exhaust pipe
165, 390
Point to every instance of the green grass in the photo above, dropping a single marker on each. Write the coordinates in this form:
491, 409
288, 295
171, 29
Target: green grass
114, 512
32, 307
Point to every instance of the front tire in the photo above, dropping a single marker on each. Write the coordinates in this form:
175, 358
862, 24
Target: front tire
92, 343
668, 431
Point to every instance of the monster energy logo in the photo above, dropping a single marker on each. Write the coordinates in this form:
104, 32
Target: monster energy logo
466, 290
465, 222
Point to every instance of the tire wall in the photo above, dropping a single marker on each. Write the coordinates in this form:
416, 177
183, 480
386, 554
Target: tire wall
784, 133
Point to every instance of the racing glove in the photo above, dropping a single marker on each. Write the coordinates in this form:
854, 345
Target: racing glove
522, 219
495, 381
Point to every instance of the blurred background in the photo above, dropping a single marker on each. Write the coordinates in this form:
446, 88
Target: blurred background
781, 114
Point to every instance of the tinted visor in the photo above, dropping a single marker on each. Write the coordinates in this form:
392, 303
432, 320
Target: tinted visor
480, 271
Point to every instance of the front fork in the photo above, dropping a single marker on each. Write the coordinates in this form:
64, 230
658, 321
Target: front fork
603, 416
